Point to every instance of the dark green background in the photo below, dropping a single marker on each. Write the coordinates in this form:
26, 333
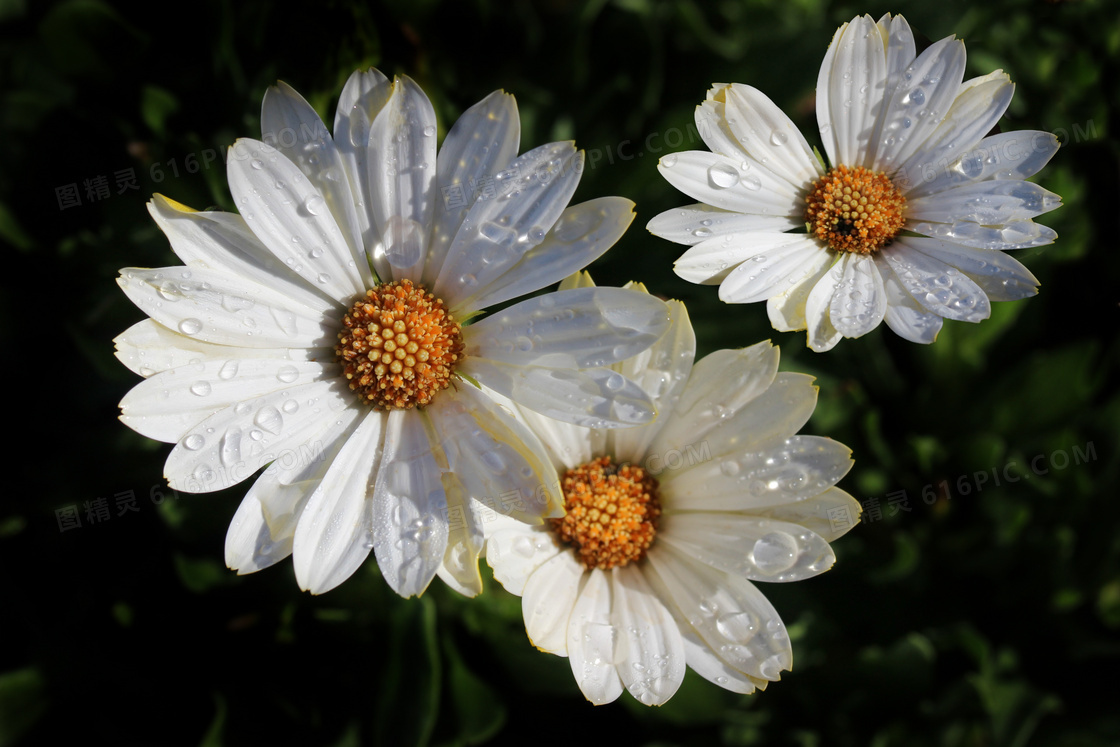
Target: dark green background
988, 617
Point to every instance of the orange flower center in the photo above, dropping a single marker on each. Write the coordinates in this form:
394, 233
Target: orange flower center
398, 346
613, 513
855, 210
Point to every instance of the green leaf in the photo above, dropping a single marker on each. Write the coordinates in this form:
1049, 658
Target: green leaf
23, 701
407, 712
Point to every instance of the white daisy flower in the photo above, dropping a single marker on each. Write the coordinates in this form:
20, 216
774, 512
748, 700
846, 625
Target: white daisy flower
322, 332
669, 523
910, 224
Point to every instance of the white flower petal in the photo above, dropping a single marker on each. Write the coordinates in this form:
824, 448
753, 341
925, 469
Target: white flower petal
822, 335
702, 660
232, 444
592, 640
362, 98
692, 224
787, 309
578, 328
859, 303
409, 506
899, 40
1001, 277
479, 145
402, 177
1008, 155
517, 551
729, 614
942, 289
649, 651
550, 595
595, 397
1017, 234
223, 241
720, 384
850, 91
260, 534
496, 459
465, 539
924, 95
148, 348
293, 127
289, 215
530, 195
765, 132
973, 114
990, 202
168, 405
221, 307
783, 471
333, 537
761, 549
731, 184
661, 371
905, 316
771, 271
715, 259
711, 123
829, 515
580, 236
776, 413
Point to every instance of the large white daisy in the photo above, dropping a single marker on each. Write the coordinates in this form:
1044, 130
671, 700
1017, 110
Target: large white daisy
669, 523
910, 224
323, 332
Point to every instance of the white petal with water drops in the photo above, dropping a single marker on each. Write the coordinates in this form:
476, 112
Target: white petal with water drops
648, 649
592, 641
692, 224
730, 184
859, 303
942, 289
550, 594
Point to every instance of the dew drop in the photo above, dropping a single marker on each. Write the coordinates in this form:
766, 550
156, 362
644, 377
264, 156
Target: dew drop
190, 326
194, 442
669, 161
722, 175
287, 374
777, 137
774, 552
200, 388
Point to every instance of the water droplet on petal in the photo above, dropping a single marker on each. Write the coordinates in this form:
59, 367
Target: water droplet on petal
190, 326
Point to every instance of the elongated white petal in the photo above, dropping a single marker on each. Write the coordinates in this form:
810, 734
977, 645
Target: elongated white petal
692, 224
899, 40
578, 328
220, 307
859, 303
924, 94
853, 75
829, 515
592, 640
567, 445
662, 371
731, 184
529, 197
728, 613
822, 335
988, 202
550, 594
334, 537
148, 348
166, 406
784, 471
223, 241
477, 148
289, 215
649, 651
1008, 155
973, 114
787, 309
465, 540
714, 260
765, 132
402, 175
905, 316
942, 289
1016, 234
1001, 277
232, 444
702, 660
293, 127
594, 398
581, 235
771, 271
711, 123
760, 549
720, 384
362, 98
409, 506
255, 542
495, 458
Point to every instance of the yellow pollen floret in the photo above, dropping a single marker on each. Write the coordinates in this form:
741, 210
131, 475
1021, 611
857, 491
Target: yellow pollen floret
613, 512
855, 210
398, 346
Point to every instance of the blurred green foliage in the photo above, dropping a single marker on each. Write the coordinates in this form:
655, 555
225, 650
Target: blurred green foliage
983, 613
